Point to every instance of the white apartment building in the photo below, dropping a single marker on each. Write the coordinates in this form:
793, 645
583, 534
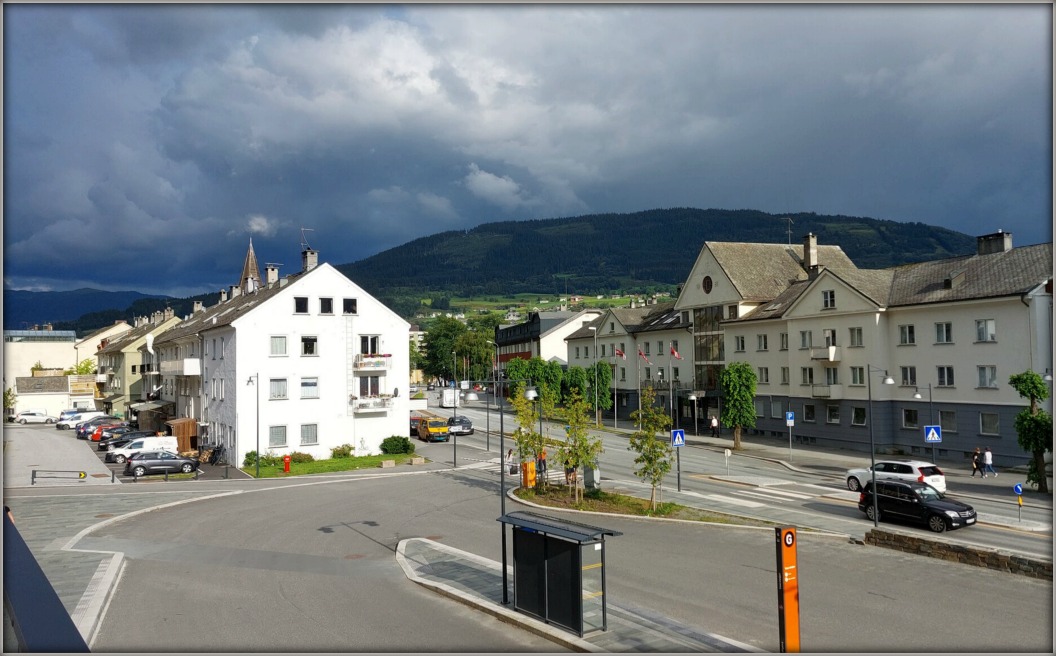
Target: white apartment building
542, 335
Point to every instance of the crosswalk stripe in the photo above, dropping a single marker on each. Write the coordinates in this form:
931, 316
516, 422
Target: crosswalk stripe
793, 495
734, 501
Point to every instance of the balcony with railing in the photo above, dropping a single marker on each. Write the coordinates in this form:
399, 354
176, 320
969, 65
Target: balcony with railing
182, 367
826, 391
372, 361
381, 404
829, 353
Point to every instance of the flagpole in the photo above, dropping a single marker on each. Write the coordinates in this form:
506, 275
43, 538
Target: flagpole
615, 409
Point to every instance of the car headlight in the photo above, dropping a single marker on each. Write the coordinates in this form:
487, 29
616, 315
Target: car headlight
953, 513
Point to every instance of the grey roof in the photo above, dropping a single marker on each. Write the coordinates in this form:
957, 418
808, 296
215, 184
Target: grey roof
41, 384
663, 317
648, 317
120, 342
757, 270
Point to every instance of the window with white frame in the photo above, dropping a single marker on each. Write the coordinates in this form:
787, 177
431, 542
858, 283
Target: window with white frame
987, 376
674, 373
828, 299
761, 343
309, 345
660, 348
586, 352
829, 334
832, 376
212, 390
807, 375
855, 336
989, 423
909, 375
945, 375
221, 389
326, 306
276, 437
309, 434
784, 375
623, 374
674, 345
731, 312
222, 340
214, 348
300, 305
277, 388
602, 354
909, 418
648, 373
764, 375
906, 335
784, 341
944, 332
858, 416
369, 344
738, 343
577, 352
832, 414
278, 345
369, 386
309, 388
806, 340
349, 306
857, 375
985, 330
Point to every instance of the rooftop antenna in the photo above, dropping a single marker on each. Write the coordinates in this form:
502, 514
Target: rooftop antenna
304, 240
789, 219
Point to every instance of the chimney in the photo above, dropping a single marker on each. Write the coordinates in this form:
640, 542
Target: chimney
271, 273
169, 313
223, 295
309, 259
998, 242
235, 290
198, 307
810, 252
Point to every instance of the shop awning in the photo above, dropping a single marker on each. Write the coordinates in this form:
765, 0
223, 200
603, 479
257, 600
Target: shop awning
149, 405
115, 397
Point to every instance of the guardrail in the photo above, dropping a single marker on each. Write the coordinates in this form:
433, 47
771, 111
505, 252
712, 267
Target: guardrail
46, 473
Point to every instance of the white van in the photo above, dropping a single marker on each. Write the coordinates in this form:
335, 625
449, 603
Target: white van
151, 443
70, 422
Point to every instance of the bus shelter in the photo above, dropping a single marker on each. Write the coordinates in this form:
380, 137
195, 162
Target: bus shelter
559, 571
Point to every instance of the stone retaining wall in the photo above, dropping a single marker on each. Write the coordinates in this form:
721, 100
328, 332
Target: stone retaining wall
958, 553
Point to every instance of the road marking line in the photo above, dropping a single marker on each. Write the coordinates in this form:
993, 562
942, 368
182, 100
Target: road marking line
734, 501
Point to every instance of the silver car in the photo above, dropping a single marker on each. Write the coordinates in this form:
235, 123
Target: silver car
900, 470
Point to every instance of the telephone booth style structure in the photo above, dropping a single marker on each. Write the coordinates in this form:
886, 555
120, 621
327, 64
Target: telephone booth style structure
559, 571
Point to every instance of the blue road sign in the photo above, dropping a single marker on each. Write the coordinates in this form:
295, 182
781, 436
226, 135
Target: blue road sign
790, 416
933, 434
678, 437
1017, 488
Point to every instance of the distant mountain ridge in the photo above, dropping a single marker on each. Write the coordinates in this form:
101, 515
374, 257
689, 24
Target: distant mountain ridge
589, 254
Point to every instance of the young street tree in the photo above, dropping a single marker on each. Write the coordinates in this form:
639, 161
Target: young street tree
580, 448
653, 461
1033, 425
530, 442
738, 390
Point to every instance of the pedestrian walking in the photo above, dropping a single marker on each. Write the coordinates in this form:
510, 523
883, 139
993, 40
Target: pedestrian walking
714, 426
540, 464
977, 462
570, 473
510, 464
988, 463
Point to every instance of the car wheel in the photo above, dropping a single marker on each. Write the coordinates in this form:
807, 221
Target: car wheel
120, 459
48, 421
22, 421
139, 471
853, 484
869, 510
187, 468
937, 523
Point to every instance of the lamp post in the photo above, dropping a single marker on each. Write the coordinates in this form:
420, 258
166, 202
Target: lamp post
597, 418
931, 414
693, 398
255, 380
872, 444
528, 394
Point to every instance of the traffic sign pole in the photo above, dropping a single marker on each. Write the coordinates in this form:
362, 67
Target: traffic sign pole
790, 421
678, 439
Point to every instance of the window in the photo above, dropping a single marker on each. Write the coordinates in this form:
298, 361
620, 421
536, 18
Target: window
369, 386
369, 344
212, 388
857, 375
276, 436
759, 407
909, 375
807, 375
906, 335
310, 345
985, 330
989, 423
300, 306
738, 343
784, 375
674, 345
326, 306
988, 376
349, 305
857, 416
602, 354
586, 352
855, 336
761, 343
648, 373
623, 374
948, 421
309, 388
832, 376
829, 335
832, 414
623, 349
659, 348
277, 388
944, 333
806, 340
909, 418
764, 375
808, 412
214, 348
784, 341
777, 408
577, 352
674, 373
731, 312
945, 373
646, 344
222, 348
828, 299
221, 389
309, 434
278, 345
612, 326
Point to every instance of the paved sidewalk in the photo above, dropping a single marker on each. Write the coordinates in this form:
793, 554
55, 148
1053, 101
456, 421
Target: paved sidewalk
477, 582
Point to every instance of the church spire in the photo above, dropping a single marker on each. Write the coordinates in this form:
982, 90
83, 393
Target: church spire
250, 281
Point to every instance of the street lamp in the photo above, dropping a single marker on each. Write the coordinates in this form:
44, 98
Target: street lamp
529, 394
693, 398
597, 418
256, 377
872, 444
931, 414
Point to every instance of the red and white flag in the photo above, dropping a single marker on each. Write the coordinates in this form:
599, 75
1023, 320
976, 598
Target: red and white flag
675, 353
642, 356
621, 354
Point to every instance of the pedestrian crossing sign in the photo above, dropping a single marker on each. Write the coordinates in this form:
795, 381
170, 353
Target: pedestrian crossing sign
678, 437
933, 433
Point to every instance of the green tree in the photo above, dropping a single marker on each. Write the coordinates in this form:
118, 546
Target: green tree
9, 399
1033, 425
439, 345
653, 461
416, 357
530, 442
603, 371
738, 389
574, 380
485, 323
475, 347
580, 448
82, 368
37, 366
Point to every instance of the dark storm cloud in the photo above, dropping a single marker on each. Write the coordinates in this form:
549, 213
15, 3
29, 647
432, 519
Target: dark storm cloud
155, 141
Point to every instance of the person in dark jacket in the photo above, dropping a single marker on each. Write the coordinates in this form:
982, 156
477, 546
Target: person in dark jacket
977, 463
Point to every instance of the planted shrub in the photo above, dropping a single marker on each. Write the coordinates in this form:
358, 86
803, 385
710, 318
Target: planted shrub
297, 456
396, 444
343, 451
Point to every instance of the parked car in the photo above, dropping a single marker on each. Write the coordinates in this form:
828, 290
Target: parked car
432, 429
111, 443
460, 426
414, 425
97, 433
34, 417
915, 502
84, 428
430, 387
69, 414
141, 444
120, 429
71, 422
902, 470
13, 415
159, 462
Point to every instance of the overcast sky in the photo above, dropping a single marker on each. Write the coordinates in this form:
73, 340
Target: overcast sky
144, 146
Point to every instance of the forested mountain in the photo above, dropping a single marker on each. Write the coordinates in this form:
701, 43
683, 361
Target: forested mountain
588, 255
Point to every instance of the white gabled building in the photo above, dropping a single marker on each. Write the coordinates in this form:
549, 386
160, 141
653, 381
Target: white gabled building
304, 363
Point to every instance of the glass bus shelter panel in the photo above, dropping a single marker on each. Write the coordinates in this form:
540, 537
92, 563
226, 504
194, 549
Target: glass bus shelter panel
593, 590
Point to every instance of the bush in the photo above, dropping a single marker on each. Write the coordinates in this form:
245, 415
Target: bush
251, 459
396, 444
343, 451
297, 456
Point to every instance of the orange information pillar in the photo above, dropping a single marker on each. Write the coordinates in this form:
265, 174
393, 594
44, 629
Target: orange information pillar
787, 589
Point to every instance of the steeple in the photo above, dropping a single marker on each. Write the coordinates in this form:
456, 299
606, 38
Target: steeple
250, 281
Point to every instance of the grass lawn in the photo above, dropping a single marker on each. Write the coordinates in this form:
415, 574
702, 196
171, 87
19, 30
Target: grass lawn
560, 496
328, 466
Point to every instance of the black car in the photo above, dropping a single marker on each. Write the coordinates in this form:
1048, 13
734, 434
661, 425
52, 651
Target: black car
915, 502
460, 426
117, 441
86, 428
158, 462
